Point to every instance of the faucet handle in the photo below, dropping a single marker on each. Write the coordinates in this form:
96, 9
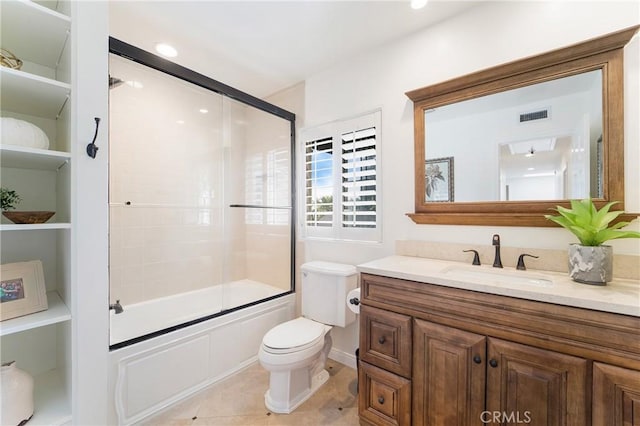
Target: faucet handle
476, 256
521, 265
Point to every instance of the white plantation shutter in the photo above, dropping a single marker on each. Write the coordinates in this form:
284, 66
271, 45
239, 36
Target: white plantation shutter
254, 189
359, 178
267, 184
278, 193
341, 174
319, 182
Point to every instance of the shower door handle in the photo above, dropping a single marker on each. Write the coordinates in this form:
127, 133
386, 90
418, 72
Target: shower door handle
256, 206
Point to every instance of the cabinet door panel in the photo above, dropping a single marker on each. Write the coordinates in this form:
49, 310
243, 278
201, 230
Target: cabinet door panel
540, 387
448, 375
616, 396
384, 398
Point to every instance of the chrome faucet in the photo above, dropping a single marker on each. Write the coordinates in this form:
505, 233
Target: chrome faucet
497, 262
117, 307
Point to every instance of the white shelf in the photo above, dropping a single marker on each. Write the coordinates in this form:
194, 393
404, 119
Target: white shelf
32, 94
57, 312
20, 18
51, 403
34, 227
18, 157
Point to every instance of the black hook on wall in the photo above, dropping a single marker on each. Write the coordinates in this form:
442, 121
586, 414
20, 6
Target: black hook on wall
92, 149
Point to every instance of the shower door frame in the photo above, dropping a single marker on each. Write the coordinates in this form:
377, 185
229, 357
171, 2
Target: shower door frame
135, 54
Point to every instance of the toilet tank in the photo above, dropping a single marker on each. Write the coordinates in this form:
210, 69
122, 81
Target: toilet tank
324, 292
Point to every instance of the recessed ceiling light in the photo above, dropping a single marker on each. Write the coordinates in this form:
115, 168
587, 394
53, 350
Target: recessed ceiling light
418, 4
180, 121
204, 110
166, 50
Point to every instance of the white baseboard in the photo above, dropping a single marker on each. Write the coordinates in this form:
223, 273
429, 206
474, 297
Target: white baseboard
343, 358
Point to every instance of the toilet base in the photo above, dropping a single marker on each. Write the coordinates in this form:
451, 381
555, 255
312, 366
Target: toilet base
286, 407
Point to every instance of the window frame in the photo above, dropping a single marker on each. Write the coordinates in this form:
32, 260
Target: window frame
335, 130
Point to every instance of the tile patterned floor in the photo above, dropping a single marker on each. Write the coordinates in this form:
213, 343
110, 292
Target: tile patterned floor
239, 401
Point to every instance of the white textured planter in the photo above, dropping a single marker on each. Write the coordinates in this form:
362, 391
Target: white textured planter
22, 133
17, 395
591, 265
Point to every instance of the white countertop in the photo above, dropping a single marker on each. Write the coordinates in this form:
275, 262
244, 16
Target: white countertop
618, 296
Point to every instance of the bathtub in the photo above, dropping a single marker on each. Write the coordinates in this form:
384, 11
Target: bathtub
141, 320
150, 373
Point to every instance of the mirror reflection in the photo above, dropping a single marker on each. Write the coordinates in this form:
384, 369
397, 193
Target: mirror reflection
538, 142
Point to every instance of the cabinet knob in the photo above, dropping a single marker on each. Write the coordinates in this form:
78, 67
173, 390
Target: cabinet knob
477, 359
381, 399
493, 363
381, 340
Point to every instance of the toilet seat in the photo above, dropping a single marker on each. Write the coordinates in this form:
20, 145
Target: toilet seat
294, 336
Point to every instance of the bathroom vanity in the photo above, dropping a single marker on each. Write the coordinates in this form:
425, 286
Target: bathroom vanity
442, 343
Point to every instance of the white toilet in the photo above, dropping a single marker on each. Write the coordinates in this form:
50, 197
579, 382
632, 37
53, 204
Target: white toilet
295, 352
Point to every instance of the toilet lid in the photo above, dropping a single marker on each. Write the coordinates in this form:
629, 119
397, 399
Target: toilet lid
294, 333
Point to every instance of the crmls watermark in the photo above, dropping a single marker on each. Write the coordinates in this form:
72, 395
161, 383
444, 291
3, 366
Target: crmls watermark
505, 417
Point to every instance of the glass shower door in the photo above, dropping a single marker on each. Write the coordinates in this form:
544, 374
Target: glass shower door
200, 199
166, 171
258, 208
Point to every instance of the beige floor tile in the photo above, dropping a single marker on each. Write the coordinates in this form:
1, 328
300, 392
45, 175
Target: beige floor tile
232, 421
239, 401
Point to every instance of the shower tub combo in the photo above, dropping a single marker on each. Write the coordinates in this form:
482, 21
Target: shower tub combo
202, 238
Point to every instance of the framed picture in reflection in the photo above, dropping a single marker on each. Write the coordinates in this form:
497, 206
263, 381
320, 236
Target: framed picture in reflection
439, 179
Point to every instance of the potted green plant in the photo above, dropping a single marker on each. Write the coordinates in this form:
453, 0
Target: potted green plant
8, 199
591, 262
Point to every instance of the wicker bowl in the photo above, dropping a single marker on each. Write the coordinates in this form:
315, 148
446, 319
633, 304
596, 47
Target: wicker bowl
28, 217
9, 60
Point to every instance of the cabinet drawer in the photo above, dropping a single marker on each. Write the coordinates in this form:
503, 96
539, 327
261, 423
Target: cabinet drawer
385, 340
385, 398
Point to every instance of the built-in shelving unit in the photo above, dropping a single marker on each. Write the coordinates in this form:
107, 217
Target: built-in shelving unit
40, 93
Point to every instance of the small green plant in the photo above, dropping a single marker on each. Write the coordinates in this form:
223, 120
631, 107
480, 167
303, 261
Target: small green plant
8, 199
590, 225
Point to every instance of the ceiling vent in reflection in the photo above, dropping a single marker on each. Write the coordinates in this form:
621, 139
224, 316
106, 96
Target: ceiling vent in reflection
535, 115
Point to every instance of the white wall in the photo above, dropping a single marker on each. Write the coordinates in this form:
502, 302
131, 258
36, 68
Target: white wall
485, 36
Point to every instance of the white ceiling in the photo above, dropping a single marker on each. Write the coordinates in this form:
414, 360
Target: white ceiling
262, 47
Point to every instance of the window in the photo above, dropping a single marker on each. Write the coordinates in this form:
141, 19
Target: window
341, 174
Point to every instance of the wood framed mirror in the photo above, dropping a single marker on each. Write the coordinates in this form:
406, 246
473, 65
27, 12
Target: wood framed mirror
524, 137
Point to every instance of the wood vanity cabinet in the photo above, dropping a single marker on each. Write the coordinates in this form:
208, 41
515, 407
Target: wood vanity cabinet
433, 355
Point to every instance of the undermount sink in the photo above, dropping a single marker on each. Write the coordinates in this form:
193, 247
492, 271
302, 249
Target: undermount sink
481, 275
